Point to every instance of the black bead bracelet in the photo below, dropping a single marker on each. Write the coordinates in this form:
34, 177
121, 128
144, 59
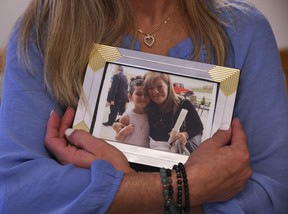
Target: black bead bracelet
186, 188
182, 185
179, 188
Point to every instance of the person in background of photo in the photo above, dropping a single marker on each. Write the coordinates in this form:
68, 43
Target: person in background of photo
164, 109
133, 127
242, 168
117, 95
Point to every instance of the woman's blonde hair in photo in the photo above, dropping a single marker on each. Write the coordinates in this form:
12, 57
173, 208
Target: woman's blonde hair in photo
172, 102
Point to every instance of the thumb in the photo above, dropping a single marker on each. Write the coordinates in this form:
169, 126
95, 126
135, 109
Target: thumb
223, 135
239, 139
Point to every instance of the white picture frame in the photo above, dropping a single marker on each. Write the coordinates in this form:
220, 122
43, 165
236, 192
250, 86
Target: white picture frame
218, 85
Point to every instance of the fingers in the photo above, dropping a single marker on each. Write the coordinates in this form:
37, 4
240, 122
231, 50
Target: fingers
60, 148
222, 137
57, 126
117, 126
91, 148
128, 129
83, 148
239, 142
55, 140
53, 125
52, 141
83, 140
66, 121
182, 138
239, 137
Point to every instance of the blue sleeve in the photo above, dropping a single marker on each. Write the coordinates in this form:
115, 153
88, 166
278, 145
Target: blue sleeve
31, 180
262, 107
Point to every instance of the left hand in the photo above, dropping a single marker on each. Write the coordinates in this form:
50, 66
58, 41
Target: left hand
220, 167
79, 147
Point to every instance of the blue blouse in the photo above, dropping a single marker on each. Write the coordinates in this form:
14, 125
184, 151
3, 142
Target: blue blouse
31, 181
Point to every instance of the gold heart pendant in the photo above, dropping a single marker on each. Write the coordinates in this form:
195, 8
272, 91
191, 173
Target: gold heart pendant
149, 40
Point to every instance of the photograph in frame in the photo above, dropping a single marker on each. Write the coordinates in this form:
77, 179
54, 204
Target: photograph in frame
211, 91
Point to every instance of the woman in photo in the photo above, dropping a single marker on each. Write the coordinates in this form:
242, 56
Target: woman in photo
164, 109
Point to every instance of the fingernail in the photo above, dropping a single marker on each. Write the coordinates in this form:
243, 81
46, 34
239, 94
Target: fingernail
68, 132
51, 112
225, 126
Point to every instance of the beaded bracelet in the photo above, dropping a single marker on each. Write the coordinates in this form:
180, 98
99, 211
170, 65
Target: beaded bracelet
186, 188
179, 188
166, 181
167, 190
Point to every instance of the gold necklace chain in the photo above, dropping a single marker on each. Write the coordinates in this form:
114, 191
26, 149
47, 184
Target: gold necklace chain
149, 39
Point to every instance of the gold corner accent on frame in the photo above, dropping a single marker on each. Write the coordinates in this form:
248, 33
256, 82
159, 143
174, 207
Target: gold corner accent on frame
227, 77
101, 54
81, 126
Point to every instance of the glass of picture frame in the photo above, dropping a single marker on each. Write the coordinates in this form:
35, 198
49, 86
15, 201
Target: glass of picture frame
211, 89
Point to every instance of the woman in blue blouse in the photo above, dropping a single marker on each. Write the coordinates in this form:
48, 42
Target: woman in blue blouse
45, 64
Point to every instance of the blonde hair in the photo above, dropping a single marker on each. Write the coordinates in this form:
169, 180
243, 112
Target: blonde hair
172, 101
64, 31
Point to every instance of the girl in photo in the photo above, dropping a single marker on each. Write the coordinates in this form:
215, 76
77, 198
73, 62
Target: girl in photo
133, 127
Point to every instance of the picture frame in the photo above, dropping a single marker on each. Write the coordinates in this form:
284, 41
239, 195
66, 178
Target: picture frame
212, 89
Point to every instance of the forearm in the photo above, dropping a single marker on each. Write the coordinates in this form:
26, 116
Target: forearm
138, 191
144, 191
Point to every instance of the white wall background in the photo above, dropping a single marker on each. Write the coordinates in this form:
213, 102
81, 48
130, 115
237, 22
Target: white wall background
10, 10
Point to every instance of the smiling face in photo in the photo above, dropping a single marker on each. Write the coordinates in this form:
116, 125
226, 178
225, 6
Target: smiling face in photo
139, 97
158, 91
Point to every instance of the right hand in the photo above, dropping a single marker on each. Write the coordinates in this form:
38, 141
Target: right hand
220, 167
122, 131
79, 147
120, 127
